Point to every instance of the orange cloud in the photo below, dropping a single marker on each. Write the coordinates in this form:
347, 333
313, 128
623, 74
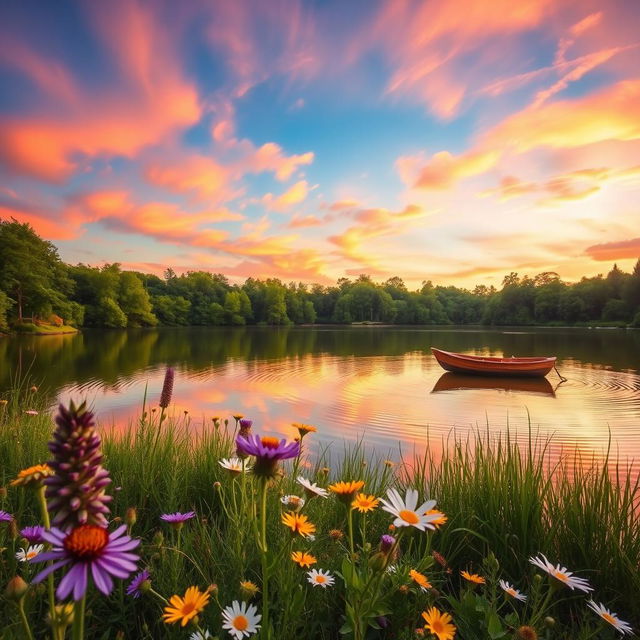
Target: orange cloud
621, 250
511, 187
296, 194
444, 169
306, 221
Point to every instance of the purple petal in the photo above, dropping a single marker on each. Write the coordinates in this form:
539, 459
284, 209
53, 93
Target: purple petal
45, 572
118, 532
70, 580
119, 570
54, 536
49, 555
80, 587
123, 545
102, 579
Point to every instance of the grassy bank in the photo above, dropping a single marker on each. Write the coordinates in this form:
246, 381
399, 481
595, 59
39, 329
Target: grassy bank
501, 501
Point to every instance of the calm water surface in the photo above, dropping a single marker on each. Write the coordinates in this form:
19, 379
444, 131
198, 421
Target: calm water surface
377, 384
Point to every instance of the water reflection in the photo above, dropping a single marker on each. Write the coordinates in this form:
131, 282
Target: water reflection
381, 385
457, 381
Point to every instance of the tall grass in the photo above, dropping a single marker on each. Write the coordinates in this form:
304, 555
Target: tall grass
499, 497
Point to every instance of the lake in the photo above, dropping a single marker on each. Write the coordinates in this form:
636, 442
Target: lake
380, 385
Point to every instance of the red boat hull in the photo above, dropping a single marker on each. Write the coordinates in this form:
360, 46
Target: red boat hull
489, 366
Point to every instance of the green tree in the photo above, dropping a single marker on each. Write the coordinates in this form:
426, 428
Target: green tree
135, 302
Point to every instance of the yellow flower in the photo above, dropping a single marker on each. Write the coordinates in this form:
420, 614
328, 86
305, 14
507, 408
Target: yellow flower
183, 610
346, 490
336, 534
237, 416
298, 524
248, 589
303, 429
441, 519
303, 559
472, 577
439, 624
33, 476
420, 579
364, 503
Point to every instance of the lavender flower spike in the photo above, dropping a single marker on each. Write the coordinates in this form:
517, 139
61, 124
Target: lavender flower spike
167, 388
75, 492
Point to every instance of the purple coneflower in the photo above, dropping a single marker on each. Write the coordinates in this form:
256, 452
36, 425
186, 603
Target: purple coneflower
136, 585
76, 492
386, 543
5, 517
167, 388
177, 520
32, 535
88, 548
267, 451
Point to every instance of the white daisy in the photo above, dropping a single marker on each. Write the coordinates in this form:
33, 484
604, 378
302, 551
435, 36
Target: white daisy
561, 574
241, 619
320, 578
295, 503
392, 568
407, 512
512, 591
234, 465
199, 635
312, 489
24, 555
611, 618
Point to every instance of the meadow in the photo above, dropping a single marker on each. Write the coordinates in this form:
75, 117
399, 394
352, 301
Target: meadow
276, 544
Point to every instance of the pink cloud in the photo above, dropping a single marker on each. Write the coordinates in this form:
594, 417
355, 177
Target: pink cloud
621, 250
294, 195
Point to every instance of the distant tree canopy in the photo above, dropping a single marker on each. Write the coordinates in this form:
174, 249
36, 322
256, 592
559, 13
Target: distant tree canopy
35, 283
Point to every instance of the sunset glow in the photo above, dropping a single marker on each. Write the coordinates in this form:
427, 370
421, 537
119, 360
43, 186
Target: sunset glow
308, 141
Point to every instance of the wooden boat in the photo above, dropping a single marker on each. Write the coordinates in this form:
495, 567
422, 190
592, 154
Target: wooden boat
462, 382
487, 365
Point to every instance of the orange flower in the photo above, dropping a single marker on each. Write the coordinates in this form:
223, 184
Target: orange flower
439, 624
420, 579
303, 559
32, 476
183, 610
345, 491
303, 429
364, 503
440, 521
298, 524
472, 577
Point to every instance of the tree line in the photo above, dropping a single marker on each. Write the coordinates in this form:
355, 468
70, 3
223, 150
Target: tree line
36, 285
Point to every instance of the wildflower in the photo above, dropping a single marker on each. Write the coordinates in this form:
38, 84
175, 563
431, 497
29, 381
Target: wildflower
292, 502
386, 543
298, 524
31, 412
441, 517
140, 583
346, 491
32, 535
33, 388
237, 417
267, 451
512, 591
184, 609
526, 633
364, 503
75, 493
31, 552
200, 635
303, 559
561, 574
336, 534
234, 465
5, 517
177, 520
320, 578
241, 619
16, 588
88, 549
312, 489
32, 476
245, 426
248, 589
389, 463
439, 624
419, 632
420, 579
303, 429
407, 512
611, 618
472, 577
167, 388
439, 558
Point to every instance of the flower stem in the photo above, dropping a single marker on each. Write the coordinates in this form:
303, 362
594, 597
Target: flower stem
77, 631
42, 501
350, 528
23, 620
263, 553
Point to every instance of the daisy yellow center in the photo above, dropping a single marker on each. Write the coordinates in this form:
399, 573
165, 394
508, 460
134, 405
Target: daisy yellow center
31, 554
270, 442
86, 541
561, 576
320, 579
609, 618
240, 623
511, 592
437, 626
187, 608
409, 516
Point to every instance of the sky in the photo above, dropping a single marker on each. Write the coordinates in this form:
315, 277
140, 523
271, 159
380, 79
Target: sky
446, 140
